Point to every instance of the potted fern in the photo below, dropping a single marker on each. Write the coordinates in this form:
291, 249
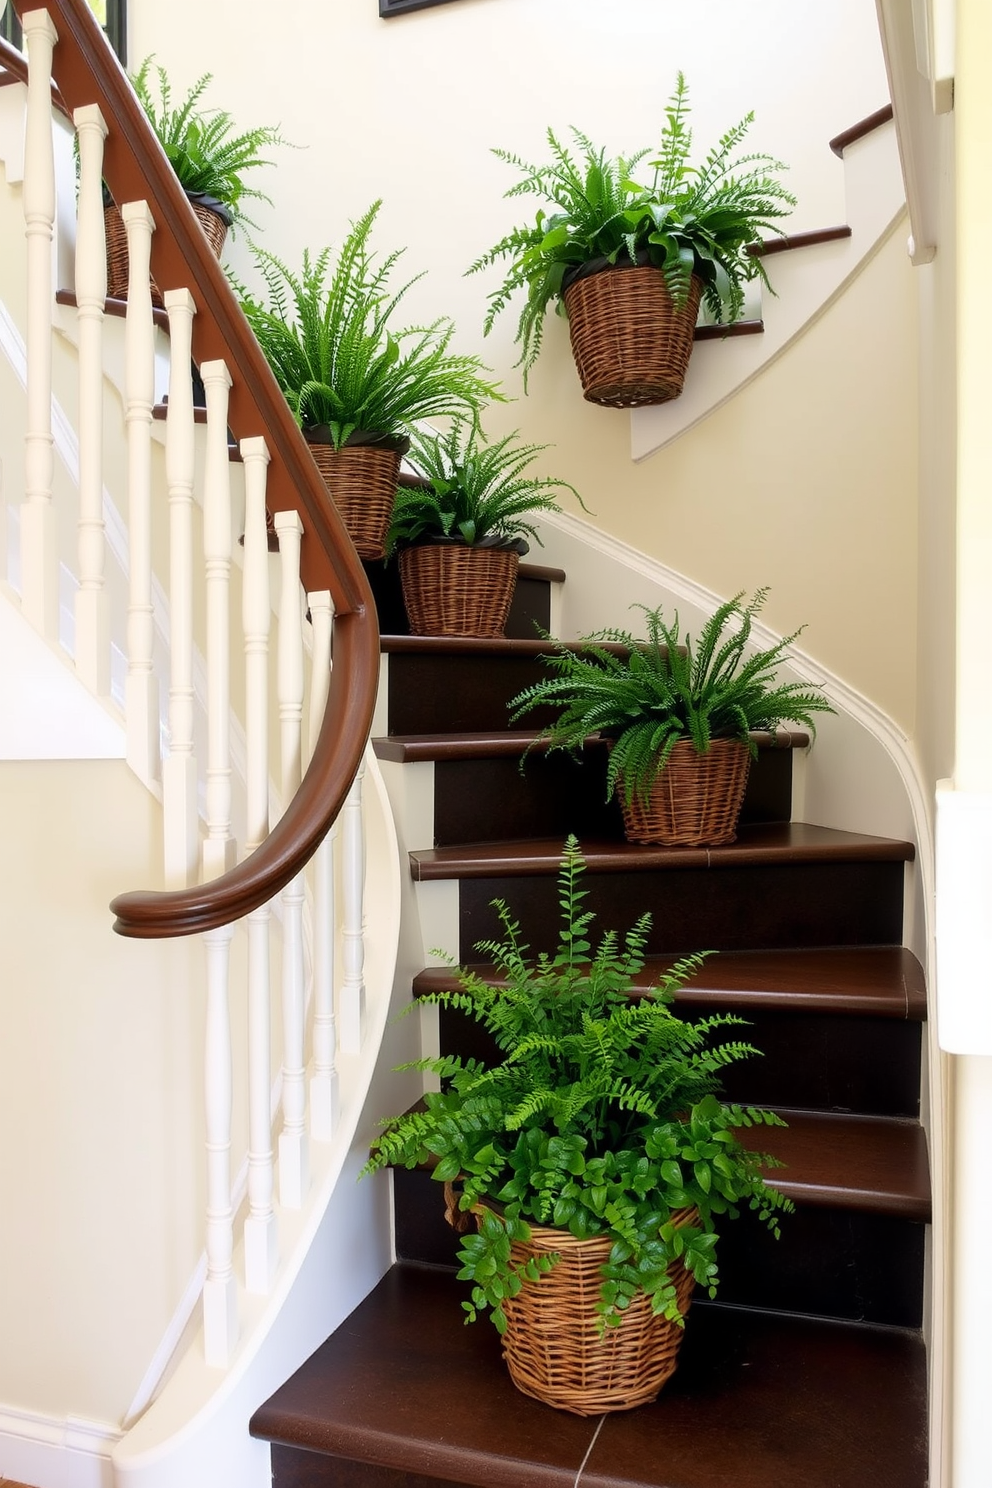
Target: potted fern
628, 246
209, 155
594, 1153
461, 532
355, 382
678, 716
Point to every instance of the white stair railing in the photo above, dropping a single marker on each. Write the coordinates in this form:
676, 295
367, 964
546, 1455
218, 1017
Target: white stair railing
242, 1252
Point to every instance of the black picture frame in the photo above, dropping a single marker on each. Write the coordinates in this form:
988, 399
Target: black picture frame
389, 8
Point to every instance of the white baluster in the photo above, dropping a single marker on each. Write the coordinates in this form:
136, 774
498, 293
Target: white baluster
92, 611
294, 1162
352, 1011
219, 847
261, 1240
324, 1094
141, 689
39, 538
220, 1299
182, 843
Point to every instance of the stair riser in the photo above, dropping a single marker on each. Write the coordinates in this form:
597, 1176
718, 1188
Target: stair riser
807, 1061
497, 800
828, 1262
739, 908
460, 694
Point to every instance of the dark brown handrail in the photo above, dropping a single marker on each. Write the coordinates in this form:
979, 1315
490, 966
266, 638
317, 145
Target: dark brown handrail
135, 169
855, 132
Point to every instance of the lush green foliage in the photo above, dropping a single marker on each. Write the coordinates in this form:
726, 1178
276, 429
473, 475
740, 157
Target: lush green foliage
478, 492
204, 147
662, 689
327, 335
685, 219
600, 1118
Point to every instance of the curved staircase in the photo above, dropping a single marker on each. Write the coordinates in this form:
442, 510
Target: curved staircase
809, 1371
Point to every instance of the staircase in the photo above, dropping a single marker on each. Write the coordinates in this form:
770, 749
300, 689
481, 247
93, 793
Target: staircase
810, 1370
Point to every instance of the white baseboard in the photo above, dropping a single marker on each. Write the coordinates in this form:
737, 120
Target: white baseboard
53, 1452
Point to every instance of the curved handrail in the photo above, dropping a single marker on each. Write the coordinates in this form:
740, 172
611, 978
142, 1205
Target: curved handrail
136, 168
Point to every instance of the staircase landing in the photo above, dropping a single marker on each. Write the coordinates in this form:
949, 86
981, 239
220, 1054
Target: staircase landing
759, 1400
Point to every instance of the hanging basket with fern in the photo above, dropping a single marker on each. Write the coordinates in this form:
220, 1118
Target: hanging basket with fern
606, 221
631, 340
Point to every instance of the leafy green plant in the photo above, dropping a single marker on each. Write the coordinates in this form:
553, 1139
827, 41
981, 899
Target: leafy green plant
477, 493
600, 1117
684, 219
327, 334
653, 692
205, 149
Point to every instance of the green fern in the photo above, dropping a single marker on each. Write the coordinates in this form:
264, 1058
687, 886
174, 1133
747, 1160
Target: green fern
328, 334
600, 1116
686, 220
205, 149
477, 493
647, 694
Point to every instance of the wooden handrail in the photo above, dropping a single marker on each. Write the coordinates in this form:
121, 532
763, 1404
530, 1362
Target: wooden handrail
855, 132
135, 169
294, 840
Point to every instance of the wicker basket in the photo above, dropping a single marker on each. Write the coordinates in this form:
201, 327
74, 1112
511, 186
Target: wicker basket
453, 590
213, 226
552, 1345
361, 480
630, 342
695, 800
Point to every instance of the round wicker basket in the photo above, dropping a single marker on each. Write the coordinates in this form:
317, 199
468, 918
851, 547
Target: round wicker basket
630, 342
213, 226
453, 590
553, 1347
695, 800
361, 480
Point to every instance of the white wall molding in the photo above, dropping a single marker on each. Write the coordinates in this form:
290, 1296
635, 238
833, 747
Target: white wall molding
65, 1452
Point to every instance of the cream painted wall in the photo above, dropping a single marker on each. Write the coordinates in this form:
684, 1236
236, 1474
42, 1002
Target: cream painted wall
100, 1215
805, 482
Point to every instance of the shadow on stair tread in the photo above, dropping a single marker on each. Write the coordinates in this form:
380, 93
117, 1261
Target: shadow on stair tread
759, 1401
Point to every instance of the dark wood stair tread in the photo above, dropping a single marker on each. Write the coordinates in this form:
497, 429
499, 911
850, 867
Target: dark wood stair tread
490, 744
870, 1164
881, 981
414, 645
758, 1401
778, 843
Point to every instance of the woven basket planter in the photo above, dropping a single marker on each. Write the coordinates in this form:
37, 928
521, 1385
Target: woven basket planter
213, 226
553, 1347
695, 800
630, 342
453, 590
361, 480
